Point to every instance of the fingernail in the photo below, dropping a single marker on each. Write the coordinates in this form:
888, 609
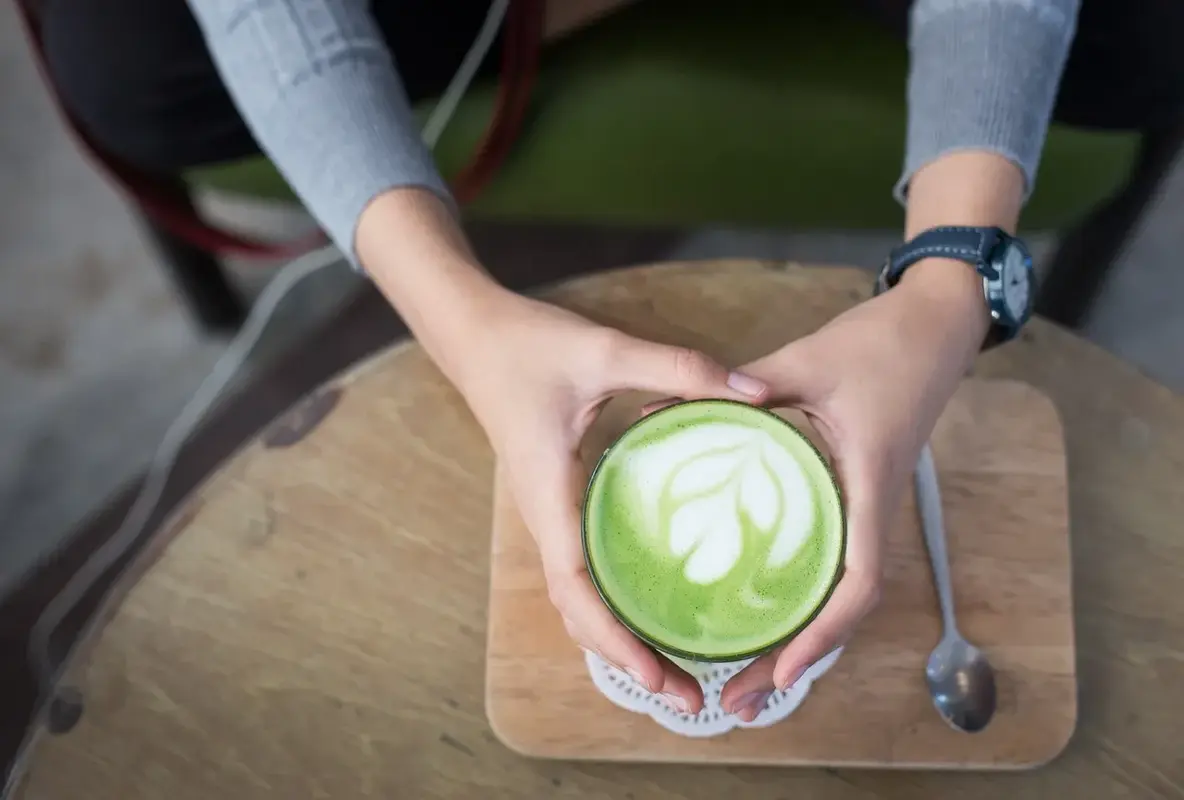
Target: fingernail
754, 701
632, 673
657, 405
679, 704
745, 385
794, 677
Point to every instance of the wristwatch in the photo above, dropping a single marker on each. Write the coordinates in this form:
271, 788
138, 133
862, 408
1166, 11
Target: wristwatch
1000, 258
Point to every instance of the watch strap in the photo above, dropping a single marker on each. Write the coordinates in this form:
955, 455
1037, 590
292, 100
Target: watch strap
963, 243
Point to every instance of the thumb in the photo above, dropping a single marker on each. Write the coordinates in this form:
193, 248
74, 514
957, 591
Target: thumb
683, 372
792, 376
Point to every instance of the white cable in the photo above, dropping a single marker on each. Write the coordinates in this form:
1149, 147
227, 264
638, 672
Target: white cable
211, 389
446, 106
178, 432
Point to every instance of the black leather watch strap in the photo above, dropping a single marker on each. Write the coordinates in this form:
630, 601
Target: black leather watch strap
963, 243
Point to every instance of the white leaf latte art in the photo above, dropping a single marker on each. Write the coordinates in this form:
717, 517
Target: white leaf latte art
702, 485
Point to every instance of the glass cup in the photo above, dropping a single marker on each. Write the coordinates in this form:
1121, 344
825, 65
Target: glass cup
661, 429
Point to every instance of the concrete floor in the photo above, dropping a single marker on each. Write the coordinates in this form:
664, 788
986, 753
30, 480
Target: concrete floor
96, 356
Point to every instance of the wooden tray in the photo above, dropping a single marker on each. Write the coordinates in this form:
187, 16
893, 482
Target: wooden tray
1000, 455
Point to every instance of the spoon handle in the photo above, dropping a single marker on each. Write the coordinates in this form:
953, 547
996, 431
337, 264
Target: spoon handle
933, 528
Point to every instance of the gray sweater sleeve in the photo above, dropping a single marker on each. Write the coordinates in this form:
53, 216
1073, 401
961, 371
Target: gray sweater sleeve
317, 87
984, 76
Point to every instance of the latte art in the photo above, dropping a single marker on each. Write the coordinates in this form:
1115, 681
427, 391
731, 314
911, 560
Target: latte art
702, 488
713, 529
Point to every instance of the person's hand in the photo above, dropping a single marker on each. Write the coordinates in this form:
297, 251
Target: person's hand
536, 380
873, 383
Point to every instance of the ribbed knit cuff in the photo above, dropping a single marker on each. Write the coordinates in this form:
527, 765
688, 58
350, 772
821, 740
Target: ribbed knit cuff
318, 88
355, 139
984, 76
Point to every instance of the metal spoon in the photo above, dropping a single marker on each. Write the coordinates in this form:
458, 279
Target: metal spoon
960, 679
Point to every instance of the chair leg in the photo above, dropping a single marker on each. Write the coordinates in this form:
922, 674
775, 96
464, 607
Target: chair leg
198, 277
1086, 252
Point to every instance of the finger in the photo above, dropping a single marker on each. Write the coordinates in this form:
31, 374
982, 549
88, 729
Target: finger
657, 405
590, 623
863, 473
679, 689
680, 371
781, 372
748, 692
680, 684
854, 596
550, 482
793, 377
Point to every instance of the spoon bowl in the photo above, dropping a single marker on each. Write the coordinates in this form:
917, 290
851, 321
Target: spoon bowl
962, 684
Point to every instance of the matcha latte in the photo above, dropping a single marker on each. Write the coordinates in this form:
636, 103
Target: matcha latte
713, 530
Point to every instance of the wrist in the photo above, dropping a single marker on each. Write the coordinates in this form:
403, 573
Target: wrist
403, 229
970, 187
413, 248
948, 294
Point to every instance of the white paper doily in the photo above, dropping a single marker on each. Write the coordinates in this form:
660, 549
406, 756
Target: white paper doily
625, 692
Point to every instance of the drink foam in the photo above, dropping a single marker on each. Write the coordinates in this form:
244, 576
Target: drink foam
714, 529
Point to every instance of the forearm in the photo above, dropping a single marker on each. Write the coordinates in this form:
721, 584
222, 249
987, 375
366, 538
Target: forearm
316, 84
415, 251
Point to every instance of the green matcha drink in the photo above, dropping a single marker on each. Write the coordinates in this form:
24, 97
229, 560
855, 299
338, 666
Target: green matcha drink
714, 530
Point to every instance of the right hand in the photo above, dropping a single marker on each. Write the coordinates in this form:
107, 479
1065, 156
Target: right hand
536, 381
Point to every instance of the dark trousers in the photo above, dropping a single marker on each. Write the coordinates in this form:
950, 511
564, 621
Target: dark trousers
137, 73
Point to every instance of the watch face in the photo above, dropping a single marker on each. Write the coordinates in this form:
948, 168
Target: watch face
1015, 275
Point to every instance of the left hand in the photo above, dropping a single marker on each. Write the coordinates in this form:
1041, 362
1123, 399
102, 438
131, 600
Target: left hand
873, 383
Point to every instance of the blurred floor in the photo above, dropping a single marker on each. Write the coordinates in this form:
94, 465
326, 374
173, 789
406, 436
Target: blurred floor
96, 356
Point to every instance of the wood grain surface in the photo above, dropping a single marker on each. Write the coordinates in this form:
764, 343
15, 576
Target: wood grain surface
313, 621
1001, 461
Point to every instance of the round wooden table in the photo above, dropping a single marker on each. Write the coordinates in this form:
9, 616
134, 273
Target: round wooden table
312, 622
